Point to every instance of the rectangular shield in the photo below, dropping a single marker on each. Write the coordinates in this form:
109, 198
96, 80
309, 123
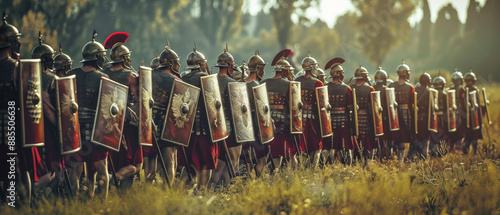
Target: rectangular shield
451, 110
30, 93
67, 111
433, 101
181, 112
241, 112
295, 108
377, 113
266, 129
145, 107
392, 110
486, 106
110, 114
474, 110
325, 120
213, 107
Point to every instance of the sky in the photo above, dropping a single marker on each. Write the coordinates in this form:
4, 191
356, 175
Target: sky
329, 10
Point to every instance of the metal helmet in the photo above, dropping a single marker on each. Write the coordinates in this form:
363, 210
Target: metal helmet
425, 79
403, 69
457, 78
240, 72
380, 76
361, 73
195, 59
309, 63
94, 51
9, 35
336, 70
470, 78
225, 59
282, 65
169, 58
439, 82
119, 53
255, 62
62, 61
44, 52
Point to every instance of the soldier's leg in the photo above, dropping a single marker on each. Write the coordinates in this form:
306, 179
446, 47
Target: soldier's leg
25, 191
401, 151
150, 165
474, 146
170, 156
218, 173
235, 153
466, 147
324, 156
315, 155
75, 171
277, 162
101, 168
203, 178
44, 181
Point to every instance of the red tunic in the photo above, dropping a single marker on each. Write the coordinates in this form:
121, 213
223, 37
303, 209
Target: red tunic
312, 133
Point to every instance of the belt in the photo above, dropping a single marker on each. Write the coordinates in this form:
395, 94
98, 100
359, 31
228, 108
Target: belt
403, 106
338, 108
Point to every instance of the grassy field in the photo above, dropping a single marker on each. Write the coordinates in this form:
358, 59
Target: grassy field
453, 184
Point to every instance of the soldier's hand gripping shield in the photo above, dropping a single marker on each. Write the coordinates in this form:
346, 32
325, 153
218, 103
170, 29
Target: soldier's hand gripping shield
241, 113
451, 110
110, 115
262, 108
324, 108
392, 109
377, 113
145, 107
474, 111
181, 113
213, 107
296, 107
67, 110
486, 106
30, 89
433, 108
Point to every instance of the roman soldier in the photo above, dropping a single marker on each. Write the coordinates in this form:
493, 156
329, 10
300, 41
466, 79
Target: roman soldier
420, 146
310, 117
256, 66
62, 63
52, 161
9, 64
442, 120
88, 79
282, 146
380, 78
163, 80
458, 135
363, 130
225, 63
202, 152
473, 131
340, 96
128, 161
404, 93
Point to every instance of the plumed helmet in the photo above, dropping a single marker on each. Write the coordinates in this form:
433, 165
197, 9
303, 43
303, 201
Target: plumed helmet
309, 63
7, 33
336, 70
118, 52
225, 59
195, 59
380, 76
361, 73
425, 79
168, 57
470, 78
403, 69
62, 61
42, 50
457, 78
283, 64
255, 62
439, 82
92, 50
321, 72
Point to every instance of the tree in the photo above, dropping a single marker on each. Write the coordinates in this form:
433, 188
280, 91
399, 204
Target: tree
425, 31
381, 25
